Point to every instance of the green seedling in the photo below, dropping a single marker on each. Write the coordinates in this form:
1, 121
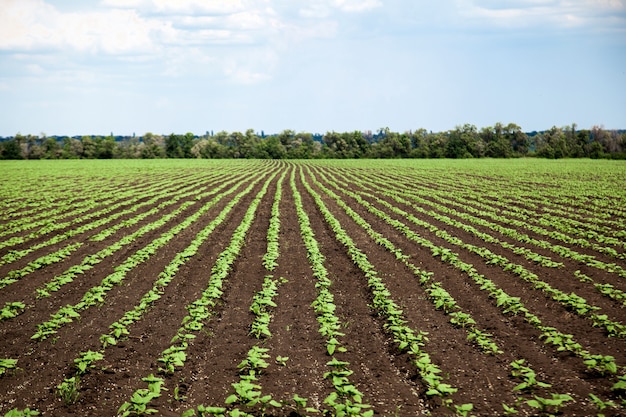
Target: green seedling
549, 406
27, 412
69, 390
6, 364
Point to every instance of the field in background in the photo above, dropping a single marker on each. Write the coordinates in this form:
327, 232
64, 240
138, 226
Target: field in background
363, 287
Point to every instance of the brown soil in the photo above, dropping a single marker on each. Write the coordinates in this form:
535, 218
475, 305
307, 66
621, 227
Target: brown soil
388, 380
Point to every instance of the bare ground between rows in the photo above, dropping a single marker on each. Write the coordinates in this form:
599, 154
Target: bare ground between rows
137, 358
63, 218
294, 326
4, 269
572, 210
384, 379
561, 278
546, 236
27, 284
508, 331
541, 237
551, 312
49, 360
214, 355
404, 182
482, 380
40, 309
294, 331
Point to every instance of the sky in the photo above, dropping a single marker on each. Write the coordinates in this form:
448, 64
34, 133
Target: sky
175, 66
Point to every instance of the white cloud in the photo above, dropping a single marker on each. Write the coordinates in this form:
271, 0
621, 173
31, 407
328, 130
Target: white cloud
615, 5
183, 36
529, 13
34, 24
321, 9
181, 6
356, 5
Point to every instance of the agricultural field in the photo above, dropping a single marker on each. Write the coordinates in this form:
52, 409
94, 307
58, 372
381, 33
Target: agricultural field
292, 288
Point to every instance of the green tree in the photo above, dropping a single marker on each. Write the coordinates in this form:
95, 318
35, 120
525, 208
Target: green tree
153, 146
105, 148
273, 148
179, 146
212, 149
517, 139
11, 150
72, 148
303, 146
394, 145
497, 141
462, 142
419, 143
552, 144
437, 145
51, 149
249, 144
90, 147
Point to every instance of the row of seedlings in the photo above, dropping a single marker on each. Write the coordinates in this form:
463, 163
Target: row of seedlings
407, 339
571, 301
486, 210
69, 389
603, 365
101, 220
97, 294
442, 299
199, 310
346, 399
189, 191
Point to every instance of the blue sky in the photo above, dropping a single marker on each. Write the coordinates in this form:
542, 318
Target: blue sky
163, 66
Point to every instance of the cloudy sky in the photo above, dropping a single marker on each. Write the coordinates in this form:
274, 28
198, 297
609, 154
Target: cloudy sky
134, 66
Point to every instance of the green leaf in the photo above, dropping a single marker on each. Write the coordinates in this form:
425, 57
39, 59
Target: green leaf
232, 399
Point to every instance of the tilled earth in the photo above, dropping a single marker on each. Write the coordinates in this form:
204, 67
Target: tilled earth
387, 378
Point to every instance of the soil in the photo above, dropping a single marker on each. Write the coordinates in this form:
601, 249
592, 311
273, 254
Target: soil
388, 380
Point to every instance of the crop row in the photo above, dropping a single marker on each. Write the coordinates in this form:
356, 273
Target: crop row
442, 262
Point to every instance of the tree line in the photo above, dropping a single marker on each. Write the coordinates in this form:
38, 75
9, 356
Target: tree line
464, 141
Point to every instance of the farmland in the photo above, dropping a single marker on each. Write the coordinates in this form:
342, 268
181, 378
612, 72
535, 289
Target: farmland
321, 287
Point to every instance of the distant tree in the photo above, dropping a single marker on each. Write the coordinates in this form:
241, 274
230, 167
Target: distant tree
11, 150
462, 142
186, 144
179, 146
130, 147
90, 147
105, 148
419, 143
51, 149
273, 148
437, 145
497, 141
72, 148
345, 145
303, 147
574, 147
153, 146
172, 147
31, 147
212, 149
518, 140
552, 144
393, 145
249, 144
